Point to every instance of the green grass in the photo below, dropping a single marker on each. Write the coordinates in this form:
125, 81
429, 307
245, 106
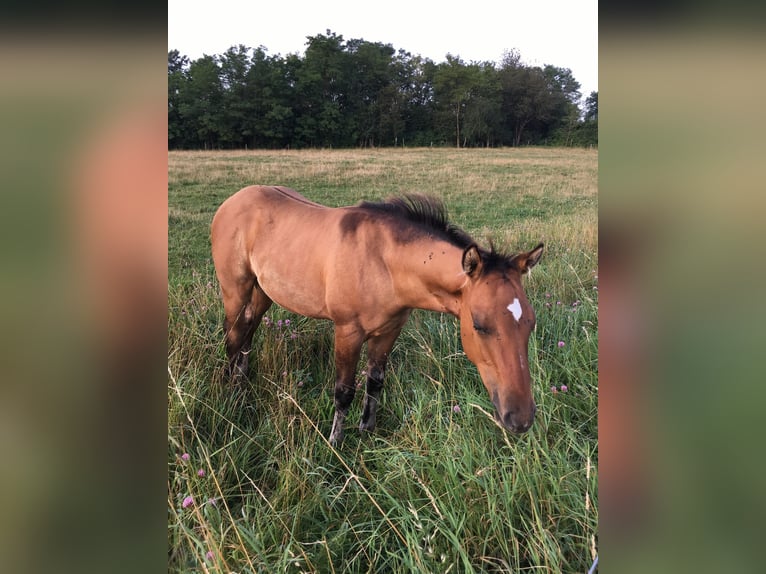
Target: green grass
438, 487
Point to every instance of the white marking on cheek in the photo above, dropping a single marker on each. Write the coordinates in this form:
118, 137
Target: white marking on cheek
515, 309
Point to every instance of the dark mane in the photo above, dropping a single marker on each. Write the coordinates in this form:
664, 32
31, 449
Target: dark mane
429, 214
425, 211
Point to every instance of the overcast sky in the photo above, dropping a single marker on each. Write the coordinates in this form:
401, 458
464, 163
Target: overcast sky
563, 33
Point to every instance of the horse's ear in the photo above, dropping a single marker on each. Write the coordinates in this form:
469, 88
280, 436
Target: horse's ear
472, 261
525, 261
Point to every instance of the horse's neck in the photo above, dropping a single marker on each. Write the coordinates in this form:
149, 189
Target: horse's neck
434, 277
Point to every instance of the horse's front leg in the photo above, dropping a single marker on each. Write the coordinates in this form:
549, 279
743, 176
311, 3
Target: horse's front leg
348, 345
378, 349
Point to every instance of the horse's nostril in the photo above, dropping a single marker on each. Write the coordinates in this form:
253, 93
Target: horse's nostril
516, 426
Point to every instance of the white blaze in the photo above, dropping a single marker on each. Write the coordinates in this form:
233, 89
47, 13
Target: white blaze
515, 309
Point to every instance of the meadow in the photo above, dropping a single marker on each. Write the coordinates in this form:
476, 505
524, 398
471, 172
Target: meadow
253, 484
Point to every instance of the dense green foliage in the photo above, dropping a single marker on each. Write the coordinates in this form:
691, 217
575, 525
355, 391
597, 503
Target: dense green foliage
355, 93
438, 487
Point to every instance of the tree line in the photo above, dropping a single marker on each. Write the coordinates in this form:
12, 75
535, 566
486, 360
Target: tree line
357, 93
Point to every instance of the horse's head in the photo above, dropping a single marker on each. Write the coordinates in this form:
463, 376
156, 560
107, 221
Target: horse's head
495, 323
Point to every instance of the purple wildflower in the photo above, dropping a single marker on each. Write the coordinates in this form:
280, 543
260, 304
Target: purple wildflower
287, 322
564, 388
188, 501
456, 409
201, 472
279, 324
209, 555
185, 456
554, 390
561, 343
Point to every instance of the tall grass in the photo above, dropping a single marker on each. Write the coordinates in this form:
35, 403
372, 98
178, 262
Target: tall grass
438, 487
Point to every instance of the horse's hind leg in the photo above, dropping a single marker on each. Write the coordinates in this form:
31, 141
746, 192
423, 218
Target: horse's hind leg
244, 306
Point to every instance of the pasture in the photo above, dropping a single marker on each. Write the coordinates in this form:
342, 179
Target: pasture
253, 484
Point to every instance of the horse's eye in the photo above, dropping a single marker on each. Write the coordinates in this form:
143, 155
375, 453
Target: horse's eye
480, 329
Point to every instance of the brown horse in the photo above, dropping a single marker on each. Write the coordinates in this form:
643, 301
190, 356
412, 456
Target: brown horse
365, 267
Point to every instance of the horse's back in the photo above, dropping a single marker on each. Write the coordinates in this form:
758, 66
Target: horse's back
280, 237
253, 209
262, 196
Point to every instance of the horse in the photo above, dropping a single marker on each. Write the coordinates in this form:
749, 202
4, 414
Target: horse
366, 267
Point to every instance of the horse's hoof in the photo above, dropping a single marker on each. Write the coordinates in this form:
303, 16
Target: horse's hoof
336, 438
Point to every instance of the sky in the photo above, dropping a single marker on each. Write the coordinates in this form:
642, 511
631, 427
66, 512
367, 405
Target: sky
562, 33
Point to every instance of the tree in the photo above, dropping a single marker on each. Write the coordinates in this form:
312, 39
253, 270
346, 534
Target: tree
588, 132
565, 114
236, 106
370, 75
322, 89
591, 107
271, 89
525, 98
455, 83
483, 112
200, 102
177, 65
562, 82
416, 94
359, 93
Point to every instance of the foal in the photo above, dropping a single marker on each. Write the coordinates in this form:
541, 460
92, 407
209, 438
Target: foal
365, 267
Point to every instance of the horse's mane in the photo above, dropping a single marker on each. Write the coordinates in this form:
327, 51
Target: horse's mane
430, 214
425, 211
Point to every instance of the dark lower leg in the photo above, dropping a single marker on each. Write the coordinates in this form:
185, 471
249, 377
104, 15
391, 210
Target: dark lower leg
240, 331
239, 334
348, 343
378, 349
344, 396
375, 373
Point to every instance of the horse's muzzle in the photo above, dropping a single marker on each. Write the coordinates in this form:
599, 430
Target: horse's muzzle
515, 422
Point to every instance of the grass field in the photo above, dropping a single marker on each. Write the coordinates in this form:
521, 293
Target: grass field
253, 485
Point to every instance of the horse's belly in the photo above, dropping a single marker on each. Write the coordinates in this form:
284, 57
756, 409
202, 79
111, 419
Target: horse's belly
297, 293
